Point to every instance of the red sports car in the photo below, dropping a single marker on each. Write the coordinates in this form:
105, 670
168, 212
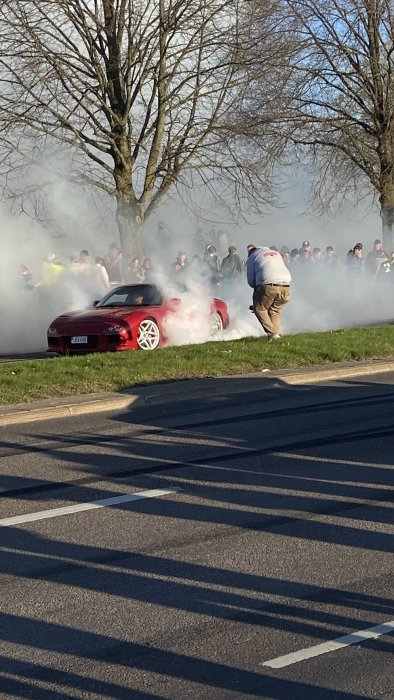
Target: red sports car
134, 316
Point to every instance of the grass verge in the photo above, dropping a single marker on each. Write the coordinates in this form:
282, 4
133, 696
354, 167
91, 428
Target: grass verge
26, 381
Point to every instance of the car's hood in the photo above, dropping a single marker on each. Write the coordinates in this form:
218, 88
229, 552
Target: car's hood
100, 314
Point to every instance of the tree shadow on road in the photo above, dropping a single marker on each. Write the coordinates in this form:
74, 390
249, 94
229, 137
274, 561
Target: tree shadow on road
330, 490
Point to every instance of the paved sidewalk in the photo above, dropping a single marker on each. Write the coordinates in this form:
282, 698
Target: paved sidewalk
181, 389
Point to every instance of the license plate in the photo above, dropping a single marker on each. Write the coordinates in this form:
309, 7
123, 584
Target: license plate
79, 339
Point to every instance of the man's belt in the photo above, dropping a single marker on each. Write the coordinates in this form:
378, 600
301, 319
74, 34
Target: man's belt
275, 284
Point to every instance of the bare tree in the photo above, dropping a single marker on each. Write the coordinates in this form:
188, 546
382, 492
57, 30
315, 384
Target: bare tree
142, 91
339, 100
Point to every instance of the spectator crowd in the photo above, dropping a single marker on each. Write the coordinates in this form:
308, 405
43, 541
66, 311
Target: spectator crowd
217, 263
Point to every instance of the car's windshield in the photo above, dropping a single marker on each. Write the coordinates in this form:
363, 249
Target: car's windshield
132, 295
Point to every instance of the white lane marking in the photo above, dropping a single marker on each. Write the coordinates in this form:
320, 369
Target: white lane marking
66, 510
328, 460
347, 640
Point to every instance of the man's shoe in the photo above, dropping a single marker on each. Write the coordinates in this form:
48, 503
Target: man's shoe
272, 338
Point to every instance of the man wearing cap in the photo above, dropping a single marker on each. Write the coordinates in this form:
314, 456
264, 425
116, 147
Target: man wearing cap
212, 264
270, 279
305, 253
375, 258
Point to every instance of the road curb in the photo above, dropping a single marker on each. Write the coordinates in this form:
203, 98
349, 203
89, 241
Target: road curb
30, 414
340, 373
179, 390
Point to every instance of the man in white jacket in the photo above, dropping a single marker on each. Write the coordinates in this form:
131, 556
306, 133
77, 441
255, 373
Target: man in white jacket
270, 279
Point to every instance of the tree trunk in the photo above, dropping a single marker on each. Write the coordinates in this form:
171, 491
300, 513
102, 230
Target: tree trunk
386, 198
387, 216
130, 225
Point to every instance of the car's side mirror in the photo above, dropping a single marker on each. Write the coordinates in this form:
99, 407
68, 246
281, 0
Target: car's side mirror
175, 301
95, 303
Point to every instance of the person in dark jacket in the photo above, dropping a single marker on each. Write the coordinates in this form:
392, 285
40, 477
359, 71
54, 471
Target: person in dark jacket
113, 264
375, 258
355, 261
180, 266
232, 265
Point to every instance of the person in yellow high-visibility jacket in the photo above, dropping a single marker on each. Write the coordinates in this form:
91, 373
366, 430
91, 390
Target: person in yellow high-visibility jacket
51, 270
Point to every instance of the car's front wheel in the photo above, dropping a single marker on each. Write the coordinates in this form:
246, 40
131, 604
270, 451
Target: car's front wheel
148, 337
215, 324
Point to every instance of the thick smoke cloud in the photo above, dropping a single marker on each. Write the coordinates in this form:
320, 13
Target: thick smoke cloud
319, 300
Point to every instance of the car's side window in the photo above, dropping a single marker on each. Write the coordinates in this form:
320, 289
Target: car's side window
135, 299
117, 299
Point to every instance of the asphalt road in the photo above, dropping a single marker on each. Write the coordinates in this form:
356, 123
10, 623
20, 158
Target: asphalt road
242, 528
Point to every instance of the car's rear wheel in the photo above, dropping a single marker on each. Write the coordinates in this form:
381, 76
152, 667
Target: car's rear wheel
148, 337
215, 323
